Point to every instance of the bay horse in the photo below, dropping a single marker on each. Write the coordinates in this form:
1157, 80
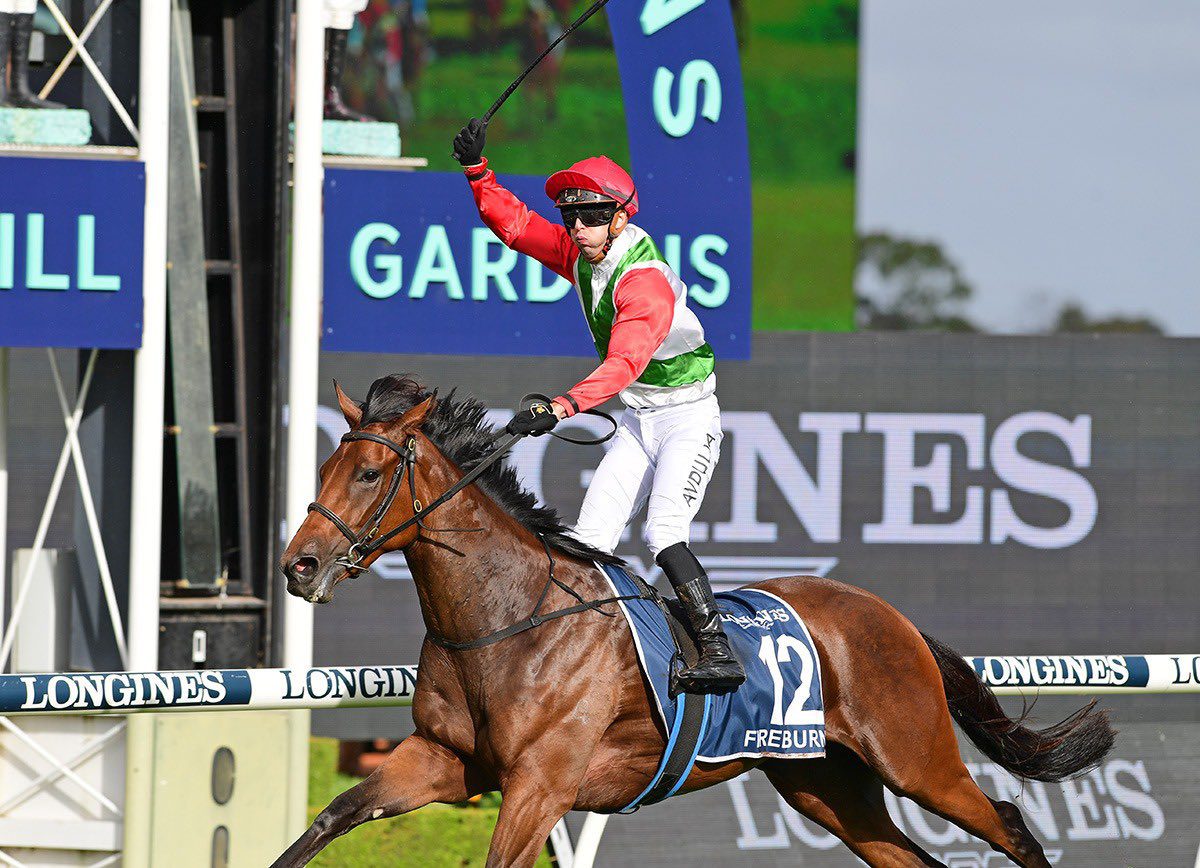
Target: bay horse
559, 717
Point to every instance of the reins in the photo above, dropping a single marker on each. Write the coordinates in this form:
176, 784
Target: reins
369, 540
536, 619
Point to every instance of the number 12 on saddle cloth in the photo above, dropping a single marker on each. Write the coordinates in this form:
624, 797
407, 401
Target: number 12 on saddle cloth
778, 712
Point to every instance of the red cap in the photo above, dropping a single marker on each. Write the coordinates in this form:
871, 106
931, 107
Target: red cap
599, 175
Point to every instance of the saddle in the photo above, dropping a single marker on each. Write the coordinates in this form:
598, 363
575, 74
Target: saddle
778, 712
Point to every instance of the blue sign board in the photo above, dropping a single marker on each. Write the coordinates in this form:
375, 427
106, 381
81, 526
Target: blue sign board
411, 268
681, 78
71, 253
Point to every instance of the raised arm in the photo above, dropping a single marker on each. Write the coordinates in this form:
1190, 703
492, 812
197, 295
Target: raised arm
645, 307
523, 230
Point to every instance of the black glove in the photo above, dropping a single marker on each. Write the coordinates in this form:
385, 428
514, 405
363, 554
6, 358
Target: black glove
468, 144
536, 419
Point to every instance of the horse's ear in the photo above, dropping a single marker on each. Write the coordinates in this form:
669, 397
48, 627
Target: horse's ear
416, 417
350, 408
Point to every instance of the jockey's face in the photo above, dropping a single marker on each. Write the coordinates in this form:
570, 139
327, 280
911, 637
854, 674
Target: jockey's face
591, 239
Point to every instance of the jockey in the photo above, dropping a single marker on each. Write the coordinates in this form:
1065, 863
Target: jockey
653, 355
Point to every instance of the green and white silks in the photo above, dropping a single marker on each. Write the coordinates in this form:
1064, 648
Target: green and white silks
681, 369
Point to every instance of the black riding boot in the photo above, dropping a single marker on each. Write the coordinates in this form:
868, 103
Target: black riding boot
718, 669
335, 62
20, 95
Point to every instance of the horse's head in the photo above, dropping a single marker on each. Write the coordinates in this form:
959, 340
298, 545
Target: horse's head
365, 494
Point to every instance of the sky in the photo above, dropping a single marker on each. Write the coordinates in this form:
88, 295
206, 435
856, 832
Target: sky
1052, 149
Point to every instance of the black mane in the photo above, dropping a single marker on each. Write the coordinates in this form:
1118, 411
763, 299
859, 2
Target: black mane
458, 428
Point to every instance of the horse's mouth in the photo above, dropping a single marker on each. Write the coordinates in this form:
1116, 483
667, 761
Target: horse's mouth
319, 588
320, 592
323, 592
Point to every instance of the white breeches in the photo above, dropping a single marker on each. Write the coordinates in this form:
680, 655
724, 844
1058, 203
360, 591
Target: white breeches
18, 7
339, 14
665, 456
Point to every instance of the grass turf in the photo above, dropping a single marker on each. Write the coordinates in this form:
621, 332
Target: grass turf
437, 836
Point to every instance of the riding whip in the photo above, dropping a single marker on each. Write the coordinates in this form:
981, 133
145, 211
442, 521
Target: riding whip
588, 13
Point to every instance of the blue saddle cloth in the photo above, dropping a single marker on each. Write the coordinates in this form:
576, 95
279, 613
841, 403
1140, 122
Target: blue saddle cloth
778, 712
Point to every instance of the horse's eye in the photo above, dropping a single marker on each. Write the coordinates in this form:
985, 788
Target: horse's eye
369, 476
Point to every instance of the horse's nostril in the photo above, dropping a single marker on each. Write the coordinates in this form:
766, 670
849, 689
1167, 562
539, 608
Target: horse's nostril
305, 567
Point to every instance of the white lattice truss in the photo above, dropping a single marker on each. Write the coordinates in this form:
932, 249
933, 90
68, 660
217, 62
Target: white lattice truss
61, 768
58, 768
78, 49
70, 451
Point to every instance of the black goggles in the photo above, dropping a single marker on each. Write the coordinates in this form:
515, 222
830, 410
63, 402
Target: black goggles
591, 215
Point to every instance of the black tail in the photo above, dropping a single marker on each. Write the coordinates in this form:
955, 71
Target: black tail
1055, 753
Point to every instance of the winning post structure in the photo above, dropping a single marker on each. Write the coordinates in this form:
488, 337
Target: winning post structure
118, 774
149, 381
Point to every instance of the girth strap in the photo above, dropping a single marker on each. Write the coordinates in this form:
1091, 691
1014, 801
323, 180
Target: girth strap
692, 712
683, 746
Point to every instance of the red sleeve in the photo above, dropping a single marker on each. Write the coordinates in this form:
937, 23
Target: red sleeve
521, 229
645, 306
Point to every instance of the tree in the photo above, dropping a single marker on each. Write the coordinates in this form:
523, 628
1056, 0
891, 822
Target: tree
909, 284
1073, 318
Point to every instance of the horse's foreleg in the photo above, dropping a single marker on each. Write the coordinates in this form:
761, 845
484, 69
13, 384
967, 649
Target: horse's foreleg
416, 773
533, 801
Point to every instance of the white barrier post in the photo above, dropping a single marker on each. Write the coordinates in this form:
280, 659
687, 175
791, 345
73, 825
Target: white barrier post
149, 375
149, 383
304, 354
589, 840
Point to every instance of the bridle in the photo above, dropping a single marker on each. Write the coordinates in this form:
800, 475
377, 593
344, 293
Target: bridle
365, 543
370, 540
